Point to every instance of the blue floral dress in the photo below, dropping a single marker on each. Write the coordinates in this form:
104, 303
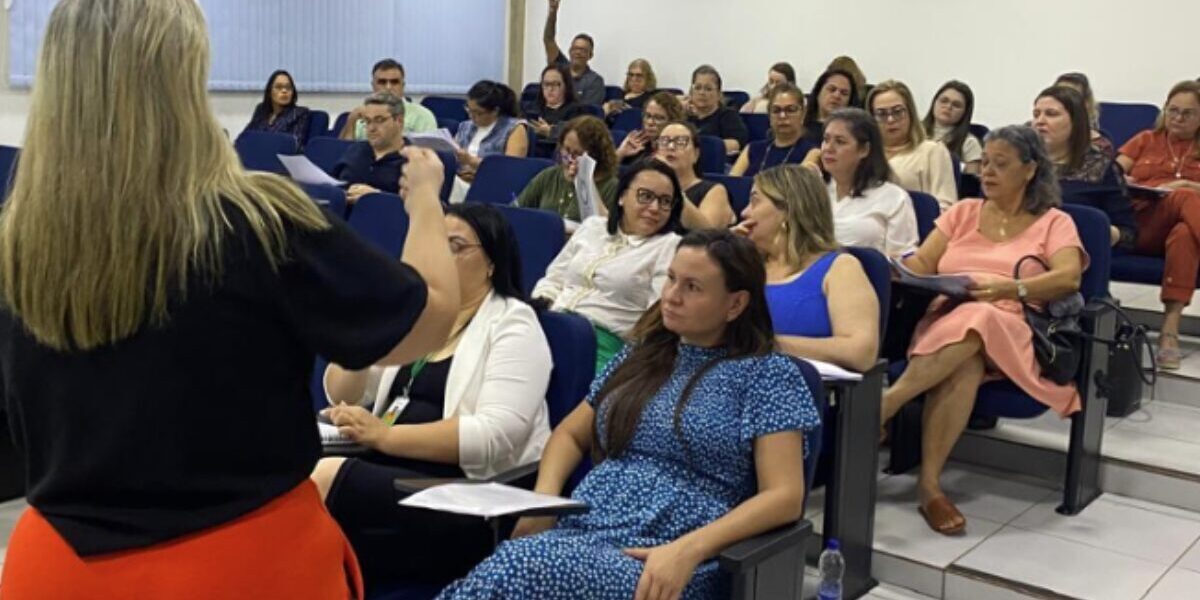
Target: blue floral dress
658, 490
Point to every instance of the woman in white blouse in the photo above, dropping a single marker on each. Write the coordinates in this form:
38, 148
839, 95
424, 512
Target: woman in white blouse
612, 270
868, 210
918, 164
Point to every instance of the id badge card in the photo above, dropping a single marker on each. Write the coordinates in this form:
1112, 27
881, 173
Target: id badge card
393, 411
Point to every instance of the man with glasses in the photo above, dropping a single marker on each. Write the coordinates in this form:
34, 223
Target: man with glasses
589, 85
374, 165
388, 76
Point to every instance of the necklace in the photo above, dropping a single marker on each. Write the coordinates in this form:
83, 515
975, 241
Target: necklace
1179, 160
767, 155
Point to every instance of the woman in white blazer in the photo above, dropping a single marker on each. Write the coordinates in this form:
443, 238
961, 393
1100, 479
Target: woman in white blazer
473, 409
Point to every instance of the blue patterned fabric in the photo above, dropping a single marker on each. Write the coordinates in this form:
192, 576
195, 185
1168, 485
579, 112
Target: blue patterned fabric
658, 490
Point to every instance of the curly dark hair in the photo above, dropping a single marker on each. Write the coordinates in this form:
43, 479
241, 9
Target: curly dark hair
596, 141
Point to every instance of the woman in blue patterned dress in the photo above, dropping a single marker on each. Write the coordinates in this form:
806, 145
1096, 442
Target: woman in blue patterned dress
698, 430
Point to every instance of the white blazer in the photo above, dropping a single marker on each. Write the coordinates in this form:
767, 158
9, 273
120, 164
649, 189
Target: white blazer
496, 387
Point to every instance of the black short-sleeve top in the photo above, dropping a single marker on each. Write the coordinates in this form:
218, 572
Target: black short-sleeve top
196, 421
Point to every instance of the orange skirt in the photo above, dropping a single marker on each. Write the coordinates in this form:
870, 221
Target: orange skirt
289, 548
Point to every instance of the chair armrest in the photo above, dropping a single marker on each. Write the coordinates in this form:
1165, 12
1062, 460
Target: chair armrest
514, 476
748, 554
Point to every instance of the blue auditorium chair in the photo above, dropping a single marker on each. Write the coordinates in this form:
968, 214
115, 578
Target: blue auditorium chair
325, 152
618, 136
446, 107
612, 92
318, 125
758, 125
540, 237
8, 169
738, 188
450, 125
734, 99
380, 219
593, 110
712, 154
629, 119
259, 150
927, 210
331, 198
978, 130
338, 124
1123, 121
501, 179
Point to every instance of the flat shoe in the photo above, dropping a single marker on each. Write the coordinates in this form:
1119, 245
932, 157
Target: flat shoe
1168, 359
943, 517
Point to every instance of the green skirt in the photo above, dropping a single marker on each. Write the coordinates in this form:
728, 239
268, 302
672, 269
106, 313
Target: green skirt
607, 345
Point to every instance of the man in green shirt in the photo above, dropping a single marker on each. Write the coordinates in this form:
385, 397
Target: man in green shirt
388, 76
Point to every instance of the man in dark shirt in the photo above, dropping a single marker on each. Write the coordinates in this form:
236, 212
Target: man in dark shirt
374, 165
589, 85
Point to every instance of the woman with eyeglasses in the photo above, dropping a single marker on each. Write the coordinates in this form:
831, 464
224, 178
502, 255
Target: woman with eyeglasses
556, 104
707, 111
613, 269
834, 89
660, 109
949, 122
919, 164
779, 73
708, 201
640, 83
278, 112
788, 144
492, 128
554, 189
1168, 157
472, 408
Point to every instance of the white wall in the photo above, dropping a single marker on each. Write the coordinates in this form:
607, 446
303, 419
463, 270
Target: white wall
1007, 50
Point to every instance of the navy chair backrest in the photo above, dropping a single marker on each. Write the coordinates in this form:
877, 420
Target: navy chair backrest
325, 152
978, 130
338, 124
879, 273
449, 171
573, 350
612, 92
736, 98
331, 198
381, 220
530, 93
712, 154
259, 150
812, 380
629, 119
593, 110
1093, 228
618, 136
8, 169
927, 209
450, 125
540, 237
1123, 121
676, 91
318, 125
738, 188
446, 107
500, 178
758, 125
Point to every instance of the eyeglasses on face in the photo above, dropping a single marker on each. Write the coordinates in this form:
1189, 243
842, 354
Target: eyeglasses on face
785, 111
955, 104
569, 156
894, 114
652, 118
1183, 114
552, 84
645, 197
678, 141
703, 87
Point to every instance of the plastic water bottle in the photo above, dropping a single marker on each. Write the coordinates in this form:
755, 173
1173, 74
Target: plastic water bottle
831, 565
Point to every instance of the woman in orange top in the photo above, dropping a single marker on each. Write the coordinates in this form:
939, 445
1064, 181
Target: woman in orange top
1169, 157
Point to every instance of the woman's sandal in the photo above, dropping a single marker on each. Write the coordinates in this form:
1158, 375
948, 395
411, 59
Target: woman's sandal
943, 517
1168, 358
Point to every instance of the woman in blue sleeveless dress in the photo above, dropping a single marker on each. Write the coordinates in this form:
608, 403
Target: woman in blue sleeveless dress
822, 304
698, 427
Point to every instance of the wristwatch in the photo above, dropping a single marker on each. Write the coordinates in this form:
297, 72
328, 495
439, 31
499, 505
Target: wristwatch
1022, 291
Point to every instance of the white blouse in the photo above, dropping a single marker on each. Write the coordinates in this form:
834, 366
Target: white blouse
882, 218
927, 168
972, 150
609, 279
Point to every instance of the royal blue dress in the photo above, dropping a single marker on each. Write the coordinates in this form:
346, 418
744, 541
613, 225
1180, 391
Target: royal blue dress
658, 490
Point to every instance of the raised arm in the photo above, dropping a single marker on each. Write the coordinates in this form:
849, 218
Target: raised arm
550, 32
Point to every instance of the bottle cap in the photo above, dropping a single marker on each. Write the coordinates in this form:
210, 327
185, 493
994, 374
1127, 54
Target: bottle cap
832, 544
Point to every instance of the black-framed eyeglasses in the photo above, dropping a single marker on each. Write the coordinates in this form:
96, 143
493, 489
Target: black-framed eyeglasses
645, 197
673, 142
894, 114
569, 156
649, 118
785, 111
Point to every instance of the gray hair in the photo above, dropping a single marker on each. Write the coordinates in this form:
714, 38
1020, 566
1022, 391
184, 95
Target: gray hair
394, 103
1042, 192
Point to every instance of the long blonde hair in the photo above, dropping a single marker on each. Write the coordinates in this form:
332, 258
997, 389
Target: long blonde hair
125, 176
800, 194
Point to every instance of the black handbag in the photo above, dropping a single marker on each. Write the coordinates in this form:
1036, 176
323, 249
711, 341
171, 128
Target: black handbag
1124, 379
1057, 335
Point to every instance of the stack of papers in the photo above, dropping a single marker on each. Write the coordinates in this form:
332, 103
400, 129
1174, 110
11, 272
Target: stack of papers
303, 171
438, 141
832, 372
954, 286
489, 500
586, 193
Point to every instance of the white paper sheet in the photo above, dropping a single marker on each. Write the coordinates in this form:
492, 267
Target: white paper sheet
304, 171
439, 140
586, 193
832, 372
330, 434
486, 500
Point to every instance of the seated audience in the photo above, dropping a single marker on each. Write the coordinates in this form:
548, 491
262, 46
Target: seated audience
833, 90
1169, 157
473, 408
822, 304
708, 201
554, 189
640, 83
706, 109
780, 72
699, 432
555, 104
919, 164
957, 345
1080, 83
660, 109
588, 84
374, 165
868, 210
1060, 118
613, 269
388, 76
847, 64
278, 112
493, 128
949, 122
787, 145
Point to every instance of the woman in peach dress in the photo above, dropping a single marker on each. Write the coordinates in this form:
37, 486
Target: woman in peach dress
958, 346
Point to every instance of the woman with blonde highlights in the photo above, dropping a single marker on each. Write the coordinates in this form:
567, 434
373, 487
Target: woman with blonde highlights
160, 312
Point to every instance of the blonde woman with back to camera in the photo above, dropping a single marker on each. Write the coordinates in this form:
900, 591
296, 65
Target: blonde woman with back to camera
161, 406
